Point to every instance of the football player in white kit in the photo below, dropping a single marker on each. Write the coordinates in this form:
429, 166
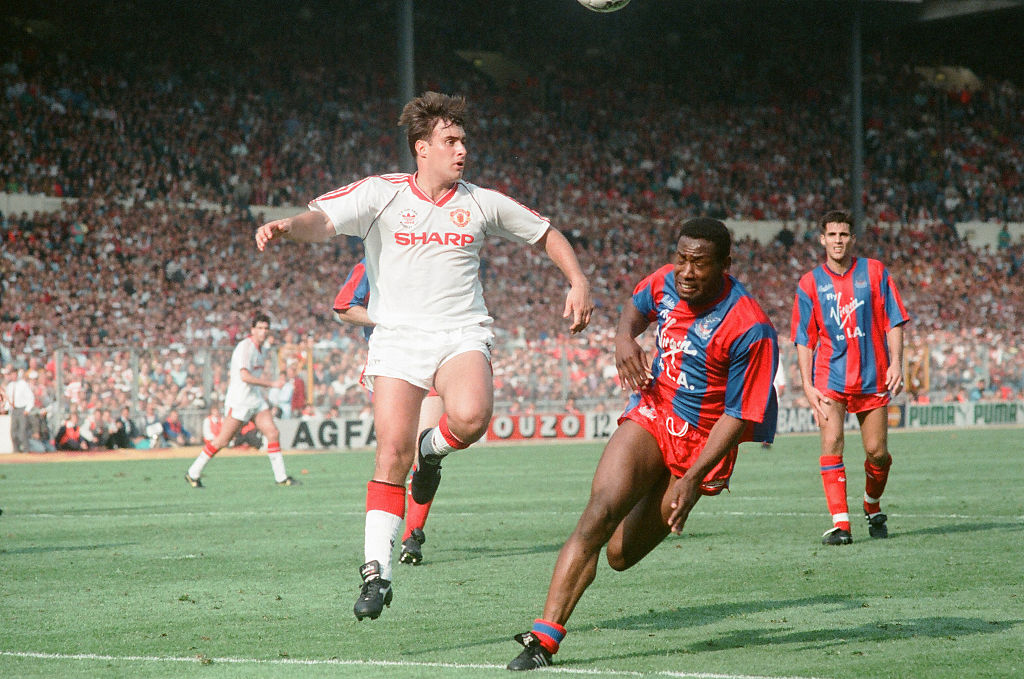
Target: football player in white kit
422, 234
246, 401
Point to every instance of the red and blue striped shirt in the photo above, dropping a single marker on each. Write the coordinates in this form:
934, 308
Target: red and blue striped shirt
845, 320
716, 359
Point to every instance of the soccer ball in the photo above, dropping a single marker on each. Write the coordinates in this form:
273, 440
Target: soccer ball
603, 5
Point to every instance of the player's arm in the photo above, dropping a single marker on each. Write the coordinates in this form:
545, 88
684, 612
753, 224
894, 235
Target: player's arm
724, 436
356, 315
894, 375
249, 378
818, 401
630, 359
313, 226
578, 303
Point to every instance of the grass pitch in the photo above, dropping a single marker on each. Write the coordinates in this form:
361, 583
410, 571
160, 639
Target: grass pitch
118, 568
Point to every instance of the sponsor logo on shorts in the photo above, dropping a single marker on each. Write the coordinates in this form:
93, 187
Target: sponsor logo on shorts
648, 412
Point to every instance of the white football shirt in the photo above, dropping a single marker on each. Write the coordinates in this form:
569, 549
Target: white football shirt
242, 395
422, 256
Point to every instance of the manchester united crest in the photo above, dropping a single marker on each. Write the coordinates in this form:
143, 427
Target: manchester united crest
459, 217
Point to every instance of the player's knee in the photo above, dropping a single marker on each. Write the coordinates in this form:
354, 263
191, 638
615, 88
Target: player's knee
877, 452
616, 559
832, 443
469, 424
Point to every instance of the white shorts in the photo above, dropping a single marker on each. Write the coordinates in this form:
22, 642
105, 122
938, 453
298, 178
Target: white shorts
415, 355
243, 412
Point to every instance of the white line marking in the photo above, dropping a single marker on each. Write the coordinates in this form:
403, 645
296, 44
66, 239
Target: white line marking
321, 513
375, 663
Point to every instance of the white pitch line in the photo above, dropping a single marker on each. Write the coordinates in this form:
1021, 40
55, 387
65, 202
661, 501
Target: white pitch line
376, 663
321, 512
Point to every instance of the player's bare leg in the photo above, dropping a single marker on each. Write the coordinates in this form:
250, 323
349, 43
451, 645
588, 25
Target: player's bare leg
630, 467
229, 427
874, 431
466, 386
833, 474
396, 405
644, 528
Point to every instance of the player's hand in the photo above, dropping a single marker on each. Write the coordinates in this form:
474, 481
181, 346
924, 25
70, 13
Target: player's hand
684, 493
894, 379
819, 403
272, 230
631, 362
579, 306
279, 382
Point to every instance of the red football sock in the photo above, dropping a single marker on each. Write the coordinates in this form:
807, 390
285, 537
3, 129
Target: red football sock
874, 484
833, 477
209, 449
416, 516
549, 634
385, 497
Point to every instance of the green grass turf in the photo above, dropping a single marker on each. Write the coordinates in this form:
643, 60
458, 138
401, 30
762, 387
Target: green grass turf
121, 569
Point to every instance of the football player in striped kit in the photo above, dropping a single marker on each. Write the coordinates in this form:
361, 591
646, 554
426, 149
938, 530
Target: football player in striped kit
848, 328
708, 390
422, 235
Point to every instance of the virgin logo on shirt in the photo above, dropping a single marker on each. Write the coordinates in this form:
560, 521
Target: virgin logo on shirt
459, 217
842, 313
673, 352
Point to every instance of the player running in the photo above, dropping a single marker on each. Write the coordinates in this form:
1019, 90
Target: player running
710, 388
246, 401
350, 307
422, 234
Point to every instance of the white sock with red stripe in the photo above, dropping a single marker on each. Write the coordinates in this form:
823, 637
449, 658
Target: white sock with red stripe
385, 509
276, 460
196, 470
443, 441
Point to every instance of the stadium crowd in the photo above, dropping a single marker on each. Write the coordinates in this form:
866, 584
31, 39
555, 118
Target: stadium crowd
149, 276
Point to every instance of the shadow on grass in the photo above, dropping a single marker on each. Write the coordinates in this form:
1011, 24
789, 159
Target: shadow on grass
690, 616
960, 528
951, 627
67, 548
491, 552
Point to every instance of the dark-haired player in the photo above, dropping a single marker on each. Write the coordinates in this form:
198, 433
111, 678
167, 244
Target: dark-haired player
848, 328
422, 234
245, 401
710, 388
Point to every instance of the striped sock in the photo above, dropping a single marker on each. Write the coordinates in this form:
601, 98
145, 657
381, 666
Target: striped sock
443, 441
276, 460
833, 477
549, 634
196, 470
876, 476
416, 516
385, 507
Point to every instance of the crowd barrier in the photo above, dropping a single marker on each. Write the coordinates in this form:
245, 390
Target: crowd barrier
352, 433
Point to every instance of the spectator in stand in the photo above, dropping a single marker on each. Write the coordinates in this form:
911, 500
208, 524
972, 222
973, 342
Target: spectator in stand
212, 424
69, 436
21, 401
174, 431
